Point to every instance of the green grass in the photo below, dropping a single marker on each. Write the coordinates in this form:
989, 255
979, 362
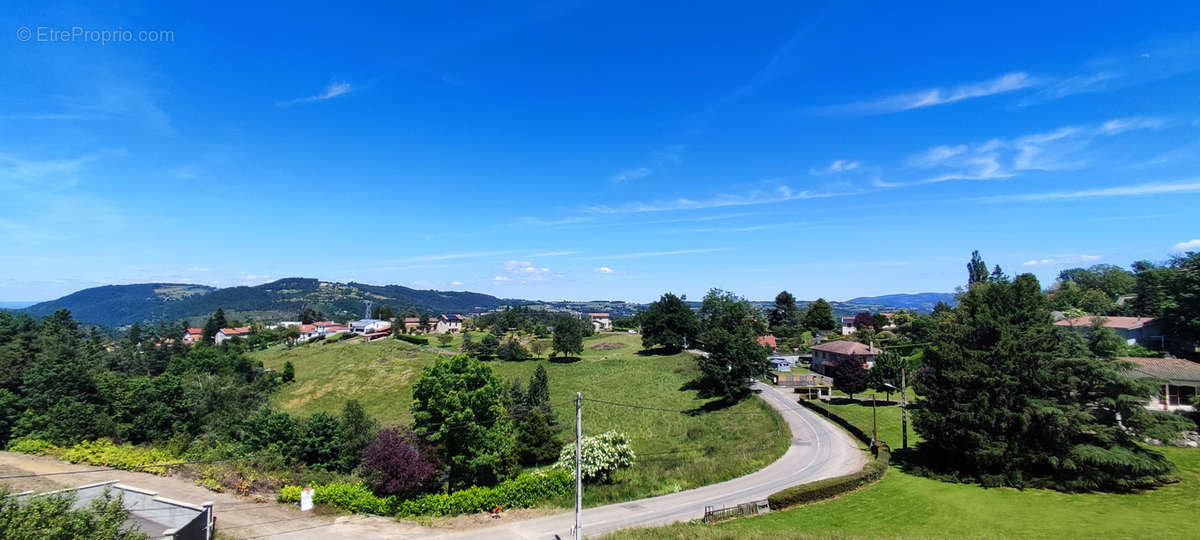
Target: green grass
907, 506
676, 451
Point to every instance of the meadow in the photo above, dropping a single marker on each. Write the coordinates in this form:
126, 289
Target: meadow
692, 443
908, 506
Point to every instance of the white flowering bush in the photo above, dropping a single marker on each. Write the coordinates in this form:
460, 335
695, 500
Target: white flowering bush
600, 456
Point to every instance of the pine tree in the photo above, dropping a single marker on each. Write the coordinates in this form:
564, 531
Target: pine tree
219, 319
1005, 399
977, 271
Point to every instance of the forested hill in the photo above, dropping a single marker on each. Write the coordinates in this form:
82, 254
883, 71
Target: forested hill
118, 305
921, 302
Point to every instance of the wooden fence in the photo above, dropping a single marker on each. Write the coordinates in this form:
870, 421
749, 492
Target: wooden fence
712, 514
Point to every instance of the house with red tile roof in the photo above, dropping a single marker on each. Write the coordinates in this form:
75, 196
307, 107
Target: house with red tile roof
768, 341
827, 355
193, 336
1132, 329
601, 322
230, 333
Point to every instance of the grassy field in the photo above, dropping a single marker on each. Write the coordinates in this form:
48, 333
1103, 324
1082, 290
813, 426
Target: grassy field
676, 451
907, 506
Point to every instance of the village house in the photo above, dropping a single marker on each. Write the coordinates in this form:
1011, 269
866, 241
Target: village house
369, 326
601, 322
230, 333
449, 324
826, 356
848, 326
1180, 381
1133, 330
193, 336
768, 342
307, 332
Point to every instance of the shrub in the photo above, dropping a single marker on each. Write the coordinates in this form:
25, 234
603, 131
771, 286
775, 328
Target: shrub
126, 456
55, 517
600, 456
524, 491
351, 497
398, 462
289, 494
31, 446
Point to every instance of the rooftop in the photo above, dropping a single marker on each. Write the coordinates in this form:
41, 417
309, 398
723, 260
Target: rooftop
1171, 369
1116, 323
847, 347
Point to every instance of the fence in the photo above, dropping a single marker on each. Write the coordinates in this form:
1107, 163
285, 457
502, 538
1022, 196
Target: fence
712, 514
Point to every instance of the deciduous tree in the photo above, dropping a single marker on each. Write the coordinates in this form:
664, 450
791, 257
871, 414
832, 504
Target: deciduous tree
669, 323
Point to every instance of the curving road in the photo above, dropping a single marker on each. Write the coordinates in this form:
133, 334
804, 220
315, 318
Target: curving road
819, 450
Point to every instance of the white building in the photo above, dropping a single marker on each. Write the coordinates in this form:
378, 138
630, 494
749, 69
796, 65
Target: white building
369, 326
601, 322
449, 324
230, 333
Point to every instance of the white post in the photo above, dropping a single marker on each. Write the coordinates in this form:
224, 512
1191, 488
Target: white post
578, 461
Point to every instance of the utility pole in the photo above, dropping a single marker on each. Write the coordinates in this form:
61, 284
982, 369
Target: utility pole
578, 460
903, 409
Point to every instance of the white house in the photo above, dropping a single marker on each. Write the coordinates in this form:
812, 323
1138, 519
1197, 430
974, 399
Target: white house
230, 333
848, 326
193, 336
601, 322
369, 326
449, 324
307, 332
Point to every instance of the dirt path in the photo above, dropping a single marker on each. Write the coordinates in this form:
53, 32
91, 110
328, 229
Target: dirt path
237, 517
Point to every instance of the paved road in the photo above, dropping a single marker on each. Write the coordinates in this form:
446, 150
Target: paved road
818, 450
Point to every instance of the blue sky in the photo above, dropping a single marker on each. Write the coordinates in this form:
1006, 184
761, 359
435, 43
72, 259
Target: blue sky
584, 150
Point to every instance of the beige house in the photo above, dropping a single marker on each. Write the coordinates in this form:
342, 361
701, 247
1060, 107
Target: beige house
827, 355
601, 322
1180, 381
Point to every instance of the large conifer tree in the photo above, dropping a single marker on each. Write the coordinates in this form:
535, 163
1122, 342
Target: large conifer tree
1006, 401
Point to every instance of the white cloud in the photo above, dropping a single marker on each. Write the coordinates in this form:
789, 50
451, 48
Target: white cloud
936, 155
500, 278
1191, 186
456, 283
334, 89
527, 271
756, 197
1183, 247
1056, 261
632, 174
604, 270
838, 166
937, 96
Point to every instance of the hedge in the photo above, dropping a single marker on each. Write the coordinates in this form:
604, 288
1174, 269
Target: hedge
832, 487
524, 491
413, 339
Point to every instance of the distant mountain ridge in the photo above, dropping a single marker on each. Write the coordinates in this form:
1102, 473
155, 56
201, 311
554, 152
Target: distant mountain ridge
922, 302
119, 305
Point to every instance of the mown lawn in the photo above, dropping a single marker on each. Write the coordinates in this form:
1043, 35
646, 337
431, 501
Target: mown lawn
676, 451
907, 506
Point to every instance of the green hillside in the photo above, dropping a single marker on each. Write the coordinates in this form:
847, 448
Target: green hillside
118, 305
678, 451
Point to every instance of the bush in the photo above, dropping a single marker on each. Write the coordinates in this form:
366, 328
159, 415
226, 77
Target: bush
413, 339
289, 494
398, 462
53, 517
31, 446
524, 491
126, 456
351, 497
600, 456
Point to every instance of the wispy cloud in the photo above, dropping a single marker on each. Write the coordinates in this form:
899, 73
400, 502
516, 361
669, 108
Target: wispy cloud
604, 270
554, 253
756, 197
643, 254
632, 174
838, 166
1183, 247
936, 96
1190, 186
1065, 148
334, 89
1057, 261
